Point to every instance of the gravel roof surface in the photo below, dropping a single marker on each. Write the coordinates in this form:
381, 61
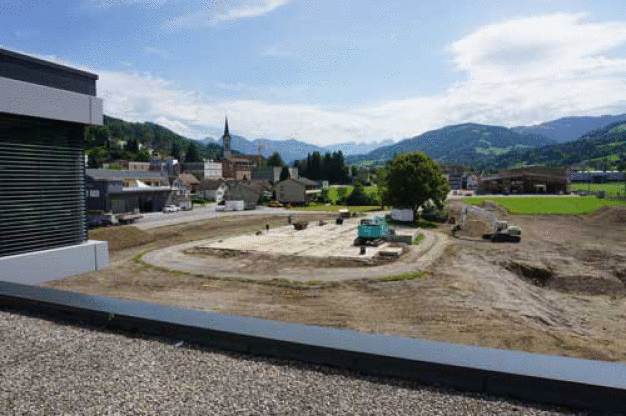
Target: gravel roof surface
50, 368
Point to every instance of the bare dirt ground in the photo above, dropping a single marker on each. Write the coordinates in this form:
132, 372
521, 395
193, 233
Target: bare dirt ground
266, 265
562, 290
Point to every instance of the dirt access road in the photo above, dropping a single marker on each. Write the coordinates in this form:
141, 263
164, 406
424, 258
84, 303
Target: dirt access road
560, 291
261, 266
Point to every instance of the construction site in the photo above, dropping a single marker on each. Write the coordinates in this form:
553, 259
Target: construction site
552, 284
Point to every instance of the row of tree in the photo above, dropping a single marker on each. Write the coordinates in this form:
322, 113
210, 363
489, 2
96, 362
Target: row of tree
330, 167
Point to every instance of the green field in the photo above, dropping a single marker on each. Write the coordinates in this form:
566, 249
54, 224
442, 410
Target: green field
612, 188
333, 194
336, 208
567, 205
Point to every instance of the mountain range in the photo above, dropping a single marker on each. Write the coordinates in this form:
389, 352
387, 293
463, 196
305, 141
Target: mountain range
479, 145
291, 149
471, 144
461, 144
569, 128
601, 149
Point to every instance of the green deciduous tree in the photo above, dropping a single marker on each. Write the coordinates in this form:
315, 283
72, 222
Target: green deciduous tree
412, 179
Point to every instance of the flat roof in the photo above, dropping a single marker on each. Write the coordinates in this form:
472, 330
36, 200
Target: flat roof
112, 174
39, 61
25, 68
71, 369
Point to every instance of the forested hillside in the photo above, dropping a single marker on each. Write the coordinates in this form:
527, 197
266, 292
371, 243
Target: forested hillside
603, 149
463, 144
119, 139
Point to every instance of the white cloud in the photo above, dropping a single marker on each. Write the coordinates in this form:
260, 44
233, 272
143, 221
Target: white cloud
518, 71
222, 11
552, 46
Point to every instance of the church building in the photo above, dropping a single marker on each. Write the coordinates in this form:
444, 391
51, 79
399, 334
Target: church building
237, 167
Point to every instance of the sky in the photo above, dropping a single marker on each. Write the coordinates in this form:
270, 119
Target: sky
331, 71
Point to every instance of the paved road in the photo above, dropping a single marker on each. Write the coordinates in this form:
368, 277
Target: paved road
159, 219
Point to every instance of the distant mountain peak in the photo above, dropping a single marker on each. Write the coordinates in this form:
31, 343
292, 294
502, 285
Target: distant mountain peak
566, 129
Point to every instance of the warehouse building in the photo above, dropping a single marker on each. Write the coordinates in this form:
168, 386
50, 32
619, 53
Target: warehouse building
125, 191
44, 108
526, 180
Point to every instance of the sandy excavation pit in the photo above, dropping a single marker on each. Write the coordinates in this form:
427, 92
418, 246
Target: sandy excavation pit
328, 241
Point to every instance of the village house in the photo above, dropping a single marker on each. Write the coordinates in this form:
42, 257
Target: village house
190, 181
212, 189
242, 191
297, 191
272, 173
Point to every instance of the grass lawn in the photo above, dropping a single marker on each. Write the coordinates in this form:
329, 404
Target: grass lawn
336, 208
333, 193
611, 188
567, 205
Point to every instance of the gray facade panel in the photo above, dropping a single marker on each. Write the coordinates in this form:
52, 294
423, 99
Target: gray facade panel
25, 99
47, 265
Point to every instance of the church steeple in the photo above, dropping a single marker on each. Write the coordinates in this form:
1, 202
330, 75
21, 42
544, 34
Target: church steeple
226, 140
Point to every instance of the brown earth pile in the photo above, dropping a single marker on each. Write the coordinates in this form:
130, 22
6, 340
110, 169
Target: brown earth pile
609, 215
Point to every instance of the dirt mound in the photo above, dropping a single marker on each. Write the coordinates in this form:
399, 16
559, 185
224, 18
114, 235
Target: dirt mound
586, 284
122, 237
609, 215
475, 228
538, 273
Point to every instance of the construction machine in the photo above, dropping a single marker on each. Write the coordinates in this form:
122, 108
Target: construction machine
372, 231
499, 230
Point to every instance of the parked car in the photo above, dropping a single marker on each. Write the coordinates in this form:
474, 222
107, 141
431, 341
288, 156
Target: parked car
169, 209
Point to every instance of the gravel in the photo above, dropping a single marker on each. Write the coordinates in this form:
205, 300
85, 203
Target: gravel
50, 368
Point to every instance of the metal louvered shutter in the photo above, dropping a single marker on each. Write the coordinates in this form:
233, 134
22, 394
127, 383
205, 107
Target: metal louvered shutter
41, 185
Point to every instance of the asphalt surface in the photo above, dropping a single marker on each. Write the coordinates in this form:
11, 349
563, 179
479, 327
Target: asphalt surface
52, 368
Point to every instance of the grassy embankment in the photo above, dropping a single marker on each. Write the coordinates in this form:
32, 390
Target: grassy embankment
567, 205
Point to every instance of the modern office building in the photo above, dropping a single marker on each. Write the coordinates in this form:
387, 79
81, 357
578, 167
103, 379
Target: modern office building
44, 108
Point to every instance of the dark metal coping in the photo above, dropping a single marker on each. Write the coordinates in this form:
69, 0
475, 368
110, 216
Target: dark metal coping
562, 381
26, 68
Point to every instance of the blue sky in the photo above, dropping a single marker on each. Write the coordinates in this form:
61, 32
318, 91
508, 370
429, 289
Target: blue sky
330, 71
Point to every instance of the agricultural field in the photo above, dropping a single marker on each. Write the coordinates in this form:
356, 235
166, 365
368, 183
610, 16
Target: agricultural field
611, 188
560, 205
